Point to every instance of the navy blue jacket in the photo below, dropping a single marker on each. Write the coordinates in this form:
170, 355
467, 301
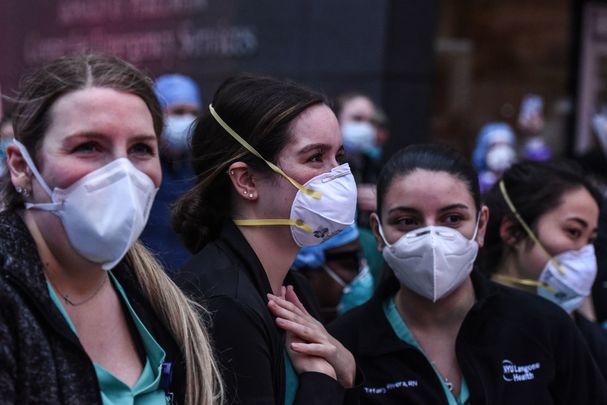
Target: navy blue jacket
512, 348
228, 279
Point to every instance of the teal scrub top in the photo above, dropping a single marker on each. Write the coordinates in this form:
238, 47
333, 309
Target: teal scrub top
146, 390
291, 380
402, 331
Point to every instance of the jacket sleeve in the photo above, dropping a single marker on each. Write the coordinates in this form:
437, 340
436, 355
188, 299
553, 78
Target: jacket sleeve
578, 379
243, 349
7, 363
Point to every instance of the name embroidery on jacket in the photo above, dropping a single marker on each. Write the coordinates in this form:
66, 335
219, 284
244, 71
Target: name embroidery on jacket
391, 386
514, 373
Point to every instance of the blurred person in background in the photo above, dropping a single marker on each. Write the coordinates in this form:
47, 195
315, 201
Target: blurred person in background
6, 136
495, 152
543, 222
365, 130
87, 315
531, 125
595, 162
179, 97
337, 272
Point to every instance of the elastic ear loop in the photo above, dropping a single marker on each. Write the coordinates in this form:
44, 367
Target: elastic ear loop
252, 222
526, 282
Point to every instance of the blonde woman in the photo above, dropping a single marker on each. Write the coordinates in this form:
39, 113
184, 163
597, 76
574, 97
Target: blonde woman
86, 314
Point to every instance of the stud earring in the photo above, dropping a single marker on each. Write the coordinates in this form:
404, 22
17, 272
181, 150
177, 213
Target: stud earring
231, 172
25, 192
245, 192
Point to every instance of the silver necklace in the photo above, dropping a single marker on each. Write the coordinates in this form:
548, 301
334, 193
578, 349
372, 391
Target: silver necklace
448, 383
67, 299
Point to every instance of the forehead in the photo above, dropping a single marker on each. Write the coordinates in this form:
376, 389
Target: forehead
357, 106
575, 203
99, 109
315, 125
427, 191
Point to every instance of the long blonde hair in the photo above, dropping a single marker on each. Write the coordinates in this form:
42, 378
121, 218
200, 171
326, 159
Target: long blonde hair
183, 317
40, 90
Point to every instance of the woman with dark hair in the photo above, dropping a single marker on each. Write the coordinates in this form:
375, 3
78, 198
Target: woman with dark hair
269, 181
87, 316
436, 332
544, 219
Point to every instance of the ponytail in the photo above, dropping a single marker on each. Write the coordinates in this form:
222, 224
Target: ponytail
183, 318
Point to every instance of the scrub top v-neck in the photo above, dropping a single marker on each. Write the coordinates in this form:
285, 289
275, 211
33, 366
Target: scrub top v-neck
146, 390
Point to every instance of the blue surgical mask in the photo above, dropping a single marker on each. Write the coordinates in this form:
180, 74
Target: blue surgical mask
3, 168
355, 293
177, 132
3, 144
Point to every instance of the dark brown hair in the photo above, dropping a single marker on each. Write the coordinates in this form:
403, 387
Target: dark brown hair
40, 89
534, 188
261, 110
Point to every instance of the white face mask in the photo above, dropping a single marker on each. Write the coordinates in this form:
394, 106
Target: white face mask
358, 136
569, 288
322, 207
176, 134
567, 278
432, 261
329, 214
104, 212
500, 157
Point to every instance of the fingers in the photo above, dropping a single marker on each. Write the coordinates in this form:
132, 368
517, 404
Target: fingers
308, 333
314, 349
292, 297
295, 307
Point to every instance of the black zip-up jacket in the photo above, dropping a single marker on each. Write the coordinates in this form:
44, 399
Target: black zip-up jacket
41, 359
596, 339
512, 348
228, 279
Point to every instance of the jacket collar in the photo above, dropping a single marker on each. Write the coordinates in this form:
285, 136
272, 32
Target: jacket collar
21, 266
379, 337
235, 240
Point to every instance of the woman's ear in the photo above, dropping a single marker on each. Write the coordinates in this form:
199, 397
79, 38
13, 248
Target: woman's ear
21, 175
483, 221
507, 234
374, 223
243, 181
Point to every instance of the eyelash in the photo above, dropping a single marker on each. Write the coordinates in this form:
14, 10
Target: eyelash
86, 145
148, 149
139, 148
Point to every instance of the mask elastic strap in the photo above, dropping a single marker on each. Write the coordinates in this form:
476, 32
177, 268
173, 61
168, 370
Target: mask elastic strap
28, 159
381, 232
334, 276
523, 281
555, 262
245, 144
254, 222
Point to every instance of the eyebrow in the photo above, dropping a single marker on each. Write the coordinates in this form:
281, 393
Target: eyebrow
314, 146
453, 207
582, 222
415, 211
93, 134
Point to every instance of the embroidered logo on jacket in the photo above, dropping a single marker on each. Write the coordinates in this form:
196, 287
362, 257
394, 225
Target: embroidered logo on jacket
515, 373
391, 386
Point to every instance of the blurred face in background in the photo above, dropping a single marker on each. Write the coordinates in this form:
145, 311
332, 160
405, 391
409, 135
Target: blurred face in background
344, 262
357, 109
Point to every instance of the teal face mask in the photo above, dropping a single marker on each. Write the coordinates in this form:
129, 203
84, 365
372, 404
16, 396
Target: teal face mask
355, 293
3, 144
3, 168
